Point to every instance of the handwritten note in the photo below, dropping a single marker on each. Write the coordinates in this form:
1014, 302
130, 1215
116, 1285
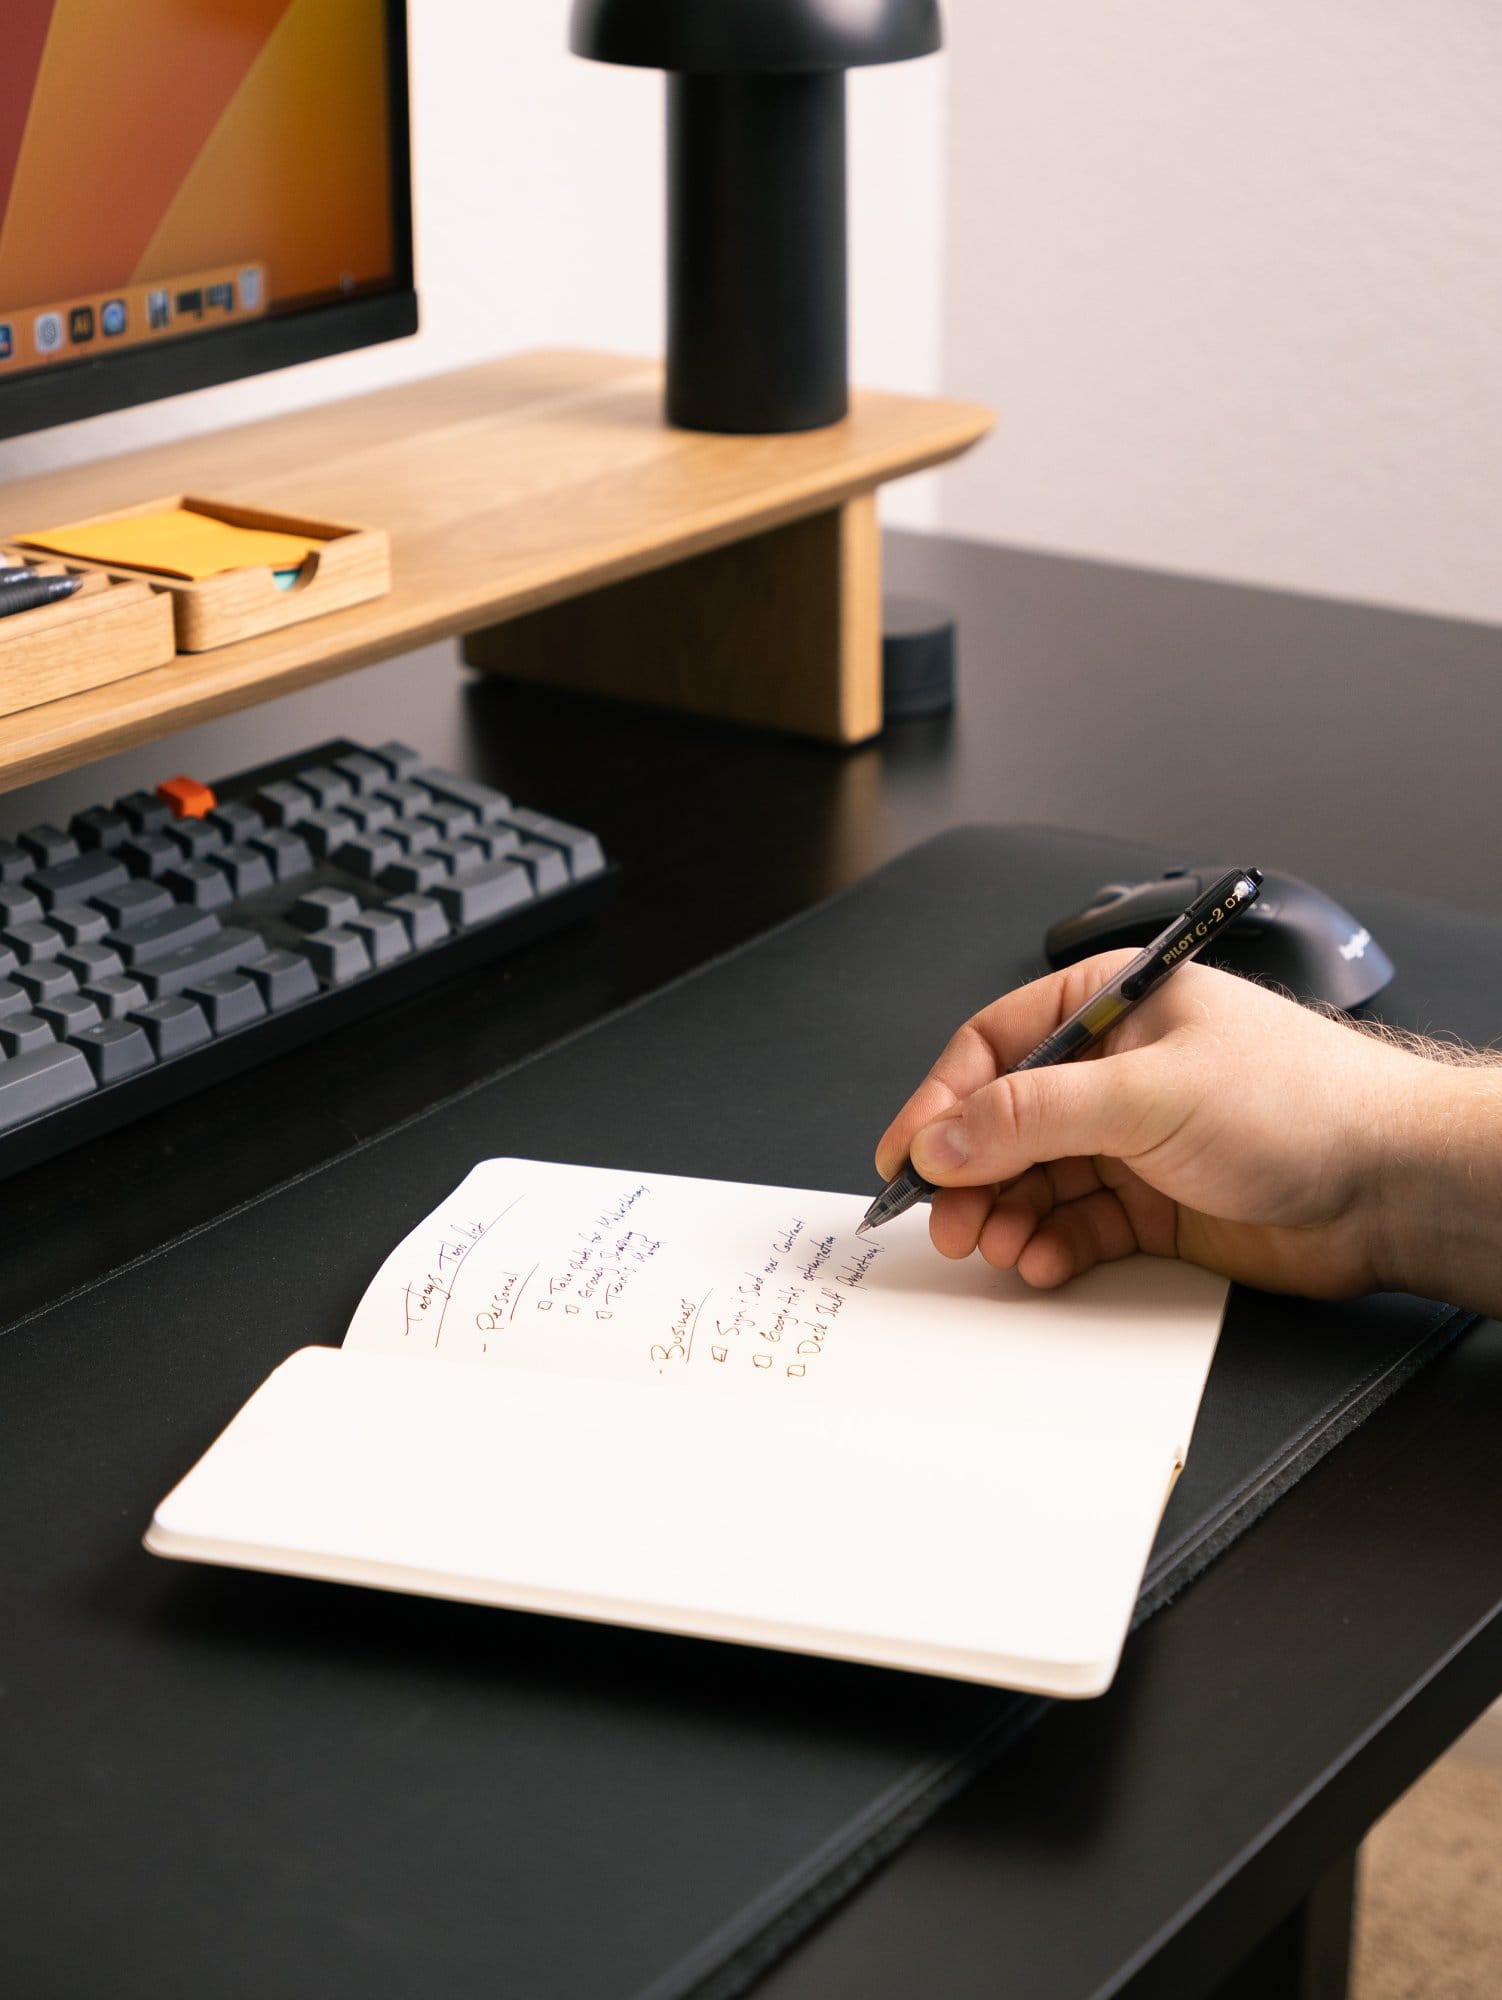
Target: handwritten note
588, 1271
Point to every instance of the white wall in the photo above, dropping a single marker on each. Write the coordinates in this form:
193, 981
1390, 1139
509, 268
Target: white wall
1232, 272
539, 206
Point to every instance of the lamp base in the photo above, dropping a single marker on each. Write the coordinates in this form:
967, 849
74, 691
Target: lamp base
757, 337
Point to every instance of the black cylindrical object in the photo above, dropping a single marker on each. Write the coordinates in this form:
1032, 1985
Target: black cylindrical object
917, 659
756, 189
757, 336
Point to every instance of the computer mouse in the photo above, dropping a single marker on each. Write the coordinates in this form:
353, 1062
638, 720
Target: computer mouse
1294, 935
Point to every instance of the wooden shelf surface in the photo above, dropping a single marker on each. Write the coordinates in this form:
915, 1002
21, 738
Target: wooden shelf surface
504, 488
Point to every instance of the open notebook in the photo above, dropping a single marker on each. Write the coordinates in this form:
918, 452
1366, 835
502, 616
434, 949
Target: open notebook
714, 1409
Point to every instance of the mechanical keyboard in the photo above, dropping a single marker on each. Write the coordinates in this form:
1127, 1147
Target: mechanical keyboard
177, 936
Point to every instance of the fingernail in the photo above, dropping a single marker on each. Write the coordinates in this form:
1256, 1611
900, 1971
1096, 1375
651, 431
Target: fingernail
941, 1147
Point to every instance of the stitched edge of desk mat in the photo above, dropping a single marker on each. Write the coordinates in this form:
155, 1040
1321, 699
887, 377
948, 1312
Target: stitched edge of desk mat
727, 1959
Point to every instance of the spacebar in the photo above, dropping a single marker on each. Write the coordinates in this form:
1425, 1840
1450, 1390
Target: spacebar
226, 951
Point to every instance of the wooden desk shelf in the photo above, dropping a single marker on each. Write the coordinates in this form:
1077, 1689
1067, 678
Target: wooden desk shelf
539, 505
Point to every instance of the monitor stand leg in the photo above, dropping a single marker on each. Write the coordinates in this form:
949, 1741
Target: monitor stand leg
780, 631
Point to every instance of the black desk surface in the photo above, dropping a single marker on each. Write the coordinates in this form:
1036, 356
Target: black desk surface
1263, 1720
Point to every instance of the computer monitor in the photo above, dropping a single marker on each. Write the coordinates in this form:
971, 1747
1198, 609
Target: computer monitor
195, 190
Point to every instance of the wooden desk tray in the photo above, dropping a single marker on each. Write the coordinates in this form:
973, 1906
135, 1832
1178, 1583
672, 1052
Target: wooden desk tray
109, 630
354, 566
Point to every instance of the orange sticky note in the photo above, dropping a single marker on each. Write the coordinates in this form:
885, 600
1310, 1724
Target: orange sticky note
177, 542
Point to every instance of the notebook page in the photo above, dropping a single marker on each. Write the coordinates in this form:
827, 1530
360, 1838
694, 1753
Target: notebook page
768, 1295
715, 1409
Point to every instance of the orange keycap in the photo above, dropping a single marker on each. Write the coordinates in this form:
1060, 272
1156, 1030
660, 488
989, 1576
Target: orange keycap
187, 798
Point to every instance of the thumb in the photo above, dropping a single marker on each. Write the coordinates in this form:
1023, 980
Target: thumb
1114, 1106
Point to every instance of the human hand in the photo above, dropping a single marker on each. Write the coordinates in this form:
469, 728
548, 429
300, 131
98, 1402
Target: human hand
1220, 1123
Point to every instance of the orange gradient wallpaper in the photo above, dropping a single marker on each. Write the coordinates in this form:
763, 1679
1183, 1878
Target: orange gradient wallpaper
144, 141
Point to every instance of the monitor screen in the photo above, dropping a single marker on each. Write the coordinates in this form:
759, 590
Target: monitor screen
192, 190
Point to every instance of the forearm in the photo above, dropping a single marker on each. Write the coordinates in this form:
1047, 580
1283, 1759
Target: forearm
1440, 1204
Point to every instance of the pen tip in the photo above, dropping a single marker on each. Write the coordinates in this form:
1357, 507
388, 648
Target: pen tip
862, 1228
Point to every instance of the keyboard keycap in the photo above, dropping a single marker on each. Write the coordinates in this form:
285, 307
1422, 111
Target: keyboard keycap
201, 884
338, 955
366, 854
148, 855
236, 820
492, 889
90, 963
79, 923
18, 906
70, 1014
115, 1049
583, 849
143, 812
484, 801
48, 846
448, 819
12, 999
20, 1034
415, 838
186, 798
325, 787
284, 978
195, 839
371, 815
498, 841
363, 772
76, 881
31, 943
226, 951
322, 907
46, 980
461, 857
115, 995
41, 1081
289, 855
283, 803
139, 944
173, 1025
546, 865
385, 935
229, 999
246, 871
100, 826
405, 799
132, 904
8, 960
426, 924
400, 759
422, 871
14, 862
324, 831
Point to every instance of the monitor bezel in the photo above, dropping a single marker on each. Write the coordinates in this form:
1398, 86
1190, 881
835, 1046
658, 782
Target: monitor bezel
45, 398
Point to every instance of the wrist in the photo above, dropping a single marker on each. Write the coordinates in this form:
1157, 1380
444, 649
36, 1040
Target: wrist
1439, 1185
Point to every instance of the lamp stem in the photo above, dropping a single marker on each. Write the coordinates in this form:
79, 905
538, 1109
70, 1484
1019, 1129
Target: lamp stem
757, 336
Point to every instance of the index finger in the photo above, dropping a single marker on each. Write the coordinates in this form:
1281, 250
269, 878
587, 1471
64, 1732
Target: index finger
990, 1043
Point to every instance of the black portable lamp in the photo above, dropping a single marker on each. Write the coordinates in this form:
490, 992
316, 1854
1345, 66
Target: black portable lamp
757, 337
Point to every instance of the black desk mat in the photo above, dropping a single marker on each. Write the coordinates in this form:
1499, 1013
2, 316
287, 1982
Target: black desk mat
224, 1784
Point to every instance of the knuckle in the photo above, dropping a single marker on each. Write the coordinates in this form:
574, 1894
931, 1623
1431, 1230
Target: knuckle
1002, 1118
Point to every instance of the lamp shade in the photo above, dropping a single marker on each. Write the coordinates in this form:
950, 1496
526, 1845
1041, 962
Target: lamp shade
754, 37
